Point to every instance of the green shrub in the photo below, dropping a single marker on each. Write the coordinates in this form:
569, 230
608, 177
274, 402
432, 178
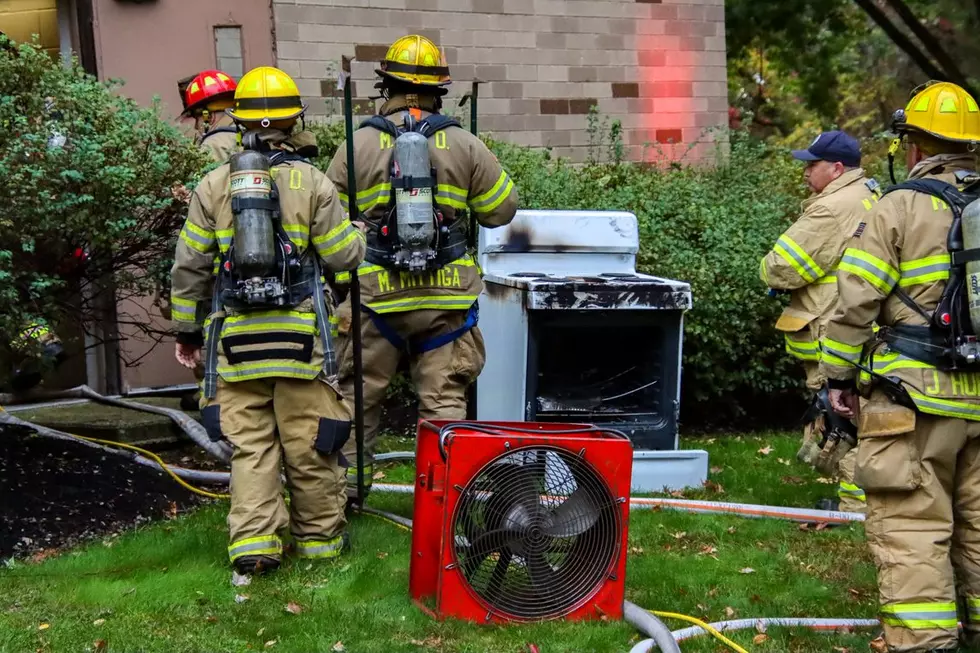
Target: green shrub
708, 226
84, 170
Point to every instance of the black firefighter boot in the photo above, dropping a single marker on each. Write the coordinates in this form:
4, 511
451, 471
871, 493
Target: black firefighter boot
257, 564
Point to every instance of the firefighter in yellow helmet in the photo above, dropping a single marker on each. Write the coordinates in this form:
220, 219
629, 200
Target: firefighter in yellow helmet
419, 282
918, 454
803, 263
270, 372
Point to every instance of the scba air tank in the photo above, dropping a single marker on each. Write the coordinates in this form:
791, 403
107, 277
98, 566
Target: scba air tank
413, 203
255, 242
971, 240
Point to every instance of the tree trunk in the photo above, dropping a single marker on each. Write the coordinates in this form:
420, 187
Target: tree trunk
902, 41
950, 67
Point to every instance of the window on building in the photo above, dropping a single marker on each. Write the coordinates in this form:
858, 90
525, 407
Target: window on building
228, 50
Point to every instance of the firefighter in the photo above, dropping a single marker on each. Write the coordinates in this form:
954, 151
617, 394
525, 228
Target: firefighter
270, 379
30, 370
918, 454
803, 263
206, 97
428, 316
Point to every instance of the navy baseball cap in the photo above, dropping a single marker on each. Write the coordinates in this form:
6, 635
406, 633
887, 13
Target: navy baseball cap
832, 146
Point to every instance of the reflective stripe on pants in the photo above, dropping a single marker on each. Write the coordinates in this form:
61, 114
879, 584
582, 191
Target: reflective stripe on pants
268, 545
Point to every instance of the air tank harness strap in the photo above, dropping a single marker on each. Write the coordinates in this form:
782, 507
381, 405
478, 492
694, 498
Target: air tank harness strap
919, 342
411, 348
322, 320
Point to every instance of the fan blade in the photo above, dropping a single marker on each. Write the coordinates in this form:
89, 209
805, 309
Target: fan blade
577, 514
500, 540
514, 484
541, 574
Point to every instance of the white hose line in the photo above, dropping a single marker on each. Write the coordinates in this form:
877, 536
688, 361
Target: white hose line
821, 625
703, 507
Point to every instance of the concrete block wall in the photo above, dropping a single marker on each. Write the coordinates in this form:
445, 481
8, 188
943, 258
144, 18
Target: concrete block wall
658, 66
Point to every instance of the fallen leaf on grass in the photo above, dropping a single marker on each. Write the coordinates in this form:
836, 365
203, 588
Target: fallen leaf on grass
378, 476
841, 649
708, 550
677, 494
270, 643
804, 527
711, 486
533, 648
729, 612
43, 555
338, 647
792, 480
761, 638
211, 619
382, 555
783, 461
44, 626
293, 608
822, 526
100, 644
636, 550
680, 535
760, 626
713, 592
717, 470
826, 481
98, 622
171, 511
766, 450
259, 634
878, 645
241, 598
240, 580
746, 570
731, 530
129, 591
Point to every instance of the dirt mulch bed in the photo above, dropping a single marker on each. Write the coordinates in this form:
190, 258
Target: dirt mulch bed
55, 494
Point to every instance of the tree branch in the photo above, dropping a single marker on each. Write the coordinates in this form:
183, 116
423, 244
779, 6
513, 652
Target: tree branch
952, 70
902, 41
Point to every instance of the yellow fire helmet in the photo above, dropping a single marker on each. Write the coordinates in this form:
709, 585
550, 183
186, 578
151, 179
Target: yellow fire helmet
266, 94
416, 60
943, 110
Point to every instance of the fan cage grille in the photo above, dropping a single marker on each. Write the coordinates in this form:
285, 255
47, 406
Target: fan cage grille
520, 553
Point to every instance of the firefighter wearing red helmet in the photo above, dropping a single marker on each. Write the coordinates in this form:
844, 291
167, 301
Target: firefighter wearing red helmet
205, 98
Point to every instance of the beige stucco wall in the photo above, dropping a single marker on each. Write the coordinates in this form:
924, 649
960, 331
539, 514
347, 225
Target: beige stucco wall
22, 19
151, 46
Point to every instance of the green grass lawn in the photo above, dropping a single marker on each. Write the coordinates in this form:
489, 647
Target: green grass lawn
166, 587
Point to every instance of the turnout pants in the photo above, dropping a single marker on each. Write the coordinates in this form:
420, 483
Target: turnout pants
922, 477
440, 376
292, 423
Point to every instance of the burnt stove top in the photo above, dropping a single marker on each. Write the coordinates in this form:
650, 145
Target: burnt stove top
607, 290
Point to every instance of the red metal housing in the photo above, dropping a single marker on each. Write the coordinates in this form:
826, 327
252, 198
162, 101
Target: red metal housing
437, 585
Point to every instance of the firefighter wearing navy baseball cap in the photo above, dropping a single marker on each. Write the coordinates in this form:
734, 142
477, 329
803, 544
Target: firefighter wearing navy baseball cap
803, 263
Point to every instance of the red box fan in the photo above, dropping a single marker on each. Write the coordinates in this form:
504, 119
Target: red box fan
520, 521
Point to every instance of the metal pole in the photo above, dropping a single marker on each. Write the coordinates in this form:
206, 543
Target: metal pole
471, 401
355, 283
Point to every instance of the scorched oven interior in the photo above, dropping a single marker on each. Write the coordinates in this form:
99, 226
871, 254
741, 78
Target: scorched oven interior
604, 367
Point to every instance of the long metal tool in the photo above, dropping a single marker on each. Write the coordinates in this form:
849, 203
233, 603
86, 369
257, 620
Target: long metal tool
474, 227
343, 82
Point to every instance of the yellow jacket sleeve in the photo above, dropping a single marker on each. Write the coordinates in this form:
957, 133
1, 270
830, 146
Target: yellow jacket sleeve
492, 193
193, 269
868, 272
339, 243
806, 252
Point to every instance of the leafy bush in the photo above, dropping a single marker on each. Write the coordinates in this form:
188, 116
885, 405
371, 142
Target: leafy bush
86, 172
706, 226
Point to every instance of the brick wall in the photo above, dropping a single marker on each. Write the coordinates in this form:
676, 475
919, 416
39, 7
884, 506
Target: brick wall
656, 65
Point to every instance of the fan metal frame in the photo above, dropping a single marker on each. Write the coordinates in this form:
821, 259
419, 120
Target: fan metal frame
444, 469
